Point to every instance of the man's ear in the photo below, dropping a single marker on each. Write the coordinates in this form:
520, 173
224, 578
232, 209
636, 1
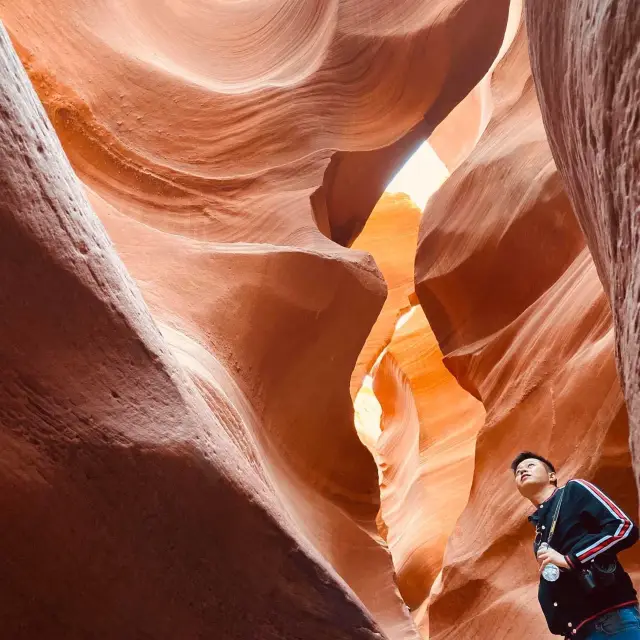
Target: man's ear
552, 477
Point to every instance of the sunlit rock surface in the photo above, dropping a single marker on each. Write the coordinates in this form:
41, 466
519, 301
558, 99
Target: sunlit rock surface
391, 236
426, 451
179, 455
421, 425
512, 294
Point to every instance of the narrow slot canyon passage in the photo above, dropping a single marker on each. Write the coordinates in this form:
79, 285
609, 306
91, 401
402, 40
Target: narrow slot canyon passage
410, 412
285, 285
523, 338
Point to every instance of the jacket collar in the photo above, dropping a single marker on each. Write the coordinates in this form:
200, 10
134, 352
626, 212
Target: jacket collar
537, 514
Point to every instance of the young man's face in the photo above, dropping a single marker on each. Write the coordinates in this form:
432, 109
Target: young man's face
531, 475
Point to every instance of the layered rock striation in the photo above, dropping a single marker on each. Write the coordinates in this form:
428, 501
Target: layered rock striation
134, 500
589, 97
228, 176
189, 308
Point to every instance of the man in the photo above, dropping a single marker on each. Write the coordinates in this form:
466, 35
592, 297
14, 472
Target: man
593, 597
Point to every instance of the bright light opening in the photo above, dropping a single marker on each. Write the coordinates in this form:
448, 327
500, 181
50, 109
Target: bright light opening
421, 176
368, 414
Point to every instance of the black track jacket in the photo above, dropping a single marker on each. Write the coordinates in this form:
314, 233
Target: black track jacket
589, 524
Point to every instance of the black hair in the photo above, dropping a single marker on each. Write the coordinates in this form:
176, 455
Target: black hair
526, 455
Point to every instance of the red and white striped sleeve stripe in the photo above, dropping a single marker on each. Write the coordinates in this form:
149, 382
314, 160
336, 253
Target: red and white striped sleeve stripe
607, 541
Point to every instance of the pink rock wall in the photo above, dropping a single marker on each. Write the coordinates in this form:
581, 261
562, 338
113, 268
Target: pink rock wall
179, 454
589, 96
130, 507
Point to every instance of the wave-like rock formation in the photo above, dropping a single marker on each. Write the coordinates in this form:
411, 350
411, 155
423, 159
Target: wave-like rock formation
427, 423
197, 450
426, 450
188, 310
148, 114
457, 135
394, 217
131, 504
513, 296
590, 98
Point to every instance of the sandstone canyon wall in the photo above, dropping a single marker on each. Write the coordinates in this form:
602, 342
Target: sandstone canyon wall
131, 506
590, 97
429, 428
179, 453
423, 436
512, 294
391, 237
425, 443
188, 439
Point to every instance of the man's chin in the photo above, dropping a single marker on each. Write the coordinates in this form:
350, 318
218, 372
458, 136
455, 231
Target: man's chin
528, 487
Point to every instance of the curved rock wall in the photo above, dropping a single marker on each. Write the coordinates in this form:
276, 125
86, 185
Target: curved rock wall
391, 236
423, 438
201, 166
457, 135
429, 427
512, 294
591, 110
176, 418
131, 507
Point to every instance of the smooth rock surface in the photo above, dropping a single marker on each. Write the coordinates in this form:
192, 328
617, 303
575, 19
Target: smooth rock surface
586, 64
513, 297
200, 132
423, 436
426, 454
179, 457
391, 236
130, 508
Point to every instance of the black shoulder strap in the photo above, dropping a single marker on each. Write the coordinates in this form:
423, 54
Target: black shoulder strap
555, 515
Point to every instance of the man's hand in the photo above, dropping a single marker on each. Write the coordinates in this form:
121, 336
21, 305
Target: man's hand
550, 556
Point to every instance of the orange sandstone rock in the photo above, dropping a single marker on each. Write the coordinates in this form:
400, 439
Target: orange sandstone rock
200, 132
131, 507
391, 236
332, 504
590, 106
428, 423
426, 452
512, 295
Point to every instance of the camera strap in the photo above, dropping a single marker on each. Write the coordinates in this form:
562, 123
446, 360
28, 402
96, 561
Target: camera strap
555, 517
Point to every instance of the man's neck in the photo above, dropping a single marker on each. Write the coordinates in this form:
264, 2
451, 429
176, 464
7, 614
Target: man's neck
543, 494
